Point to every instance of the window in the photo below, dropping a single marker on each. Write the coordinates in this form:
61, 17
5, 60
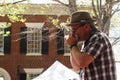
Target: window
60, 41
1, 77
34, 38
37, 40
5, 41
1, 41
33, 72
32, 76
4, 75
66, 47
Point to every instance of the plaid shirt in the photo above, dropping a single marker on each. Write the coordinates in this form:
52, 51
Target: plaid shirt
103, 67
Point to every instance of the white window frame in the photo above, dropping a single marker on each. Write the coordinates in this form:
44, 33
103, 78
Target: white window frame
33, 71
2, 40
38, 27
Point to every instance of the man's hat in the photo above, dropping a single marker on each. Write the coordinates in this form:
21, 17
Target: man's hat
80, 17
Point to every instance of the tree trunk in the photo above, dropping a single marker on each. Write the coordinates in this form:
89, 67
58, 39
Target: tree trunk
72, 6
103, 15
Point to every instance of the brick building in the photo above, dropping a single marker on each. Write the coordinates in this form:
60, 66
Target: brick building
31, 47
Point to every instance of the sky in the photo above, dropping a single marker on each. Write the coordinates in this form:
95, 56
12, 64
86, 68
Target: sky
51, 1
44, 1
41, 1
32, 1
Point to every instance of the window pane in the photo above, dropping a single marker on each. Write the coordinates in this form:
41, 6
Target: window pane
1, 41
32, 76
34, 40
34, 37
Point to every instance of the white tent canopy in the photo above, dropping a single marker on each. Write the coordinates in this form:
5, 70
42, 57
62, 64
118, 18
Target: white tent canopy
58, 71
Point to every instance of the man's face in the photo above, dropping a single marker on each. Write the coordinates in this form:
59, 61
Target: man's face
79, 31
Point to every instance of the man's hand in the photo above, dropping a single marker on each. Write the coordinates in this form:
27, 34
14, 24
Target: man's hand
71, 39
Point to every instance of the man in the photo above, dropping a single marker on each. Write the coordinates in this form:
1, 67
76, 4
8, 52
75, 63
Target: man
95, 59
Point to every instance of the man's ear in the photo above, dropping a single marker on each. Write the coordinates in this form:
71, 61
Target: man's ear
87, 26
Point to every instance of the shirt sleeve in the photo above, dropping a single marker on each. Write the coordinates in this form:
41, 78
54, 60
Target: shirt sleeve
94, 46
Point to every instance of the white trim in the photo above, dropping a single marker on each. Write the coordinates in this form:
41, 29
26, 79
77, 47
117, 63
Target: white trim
33, 54
5, 74
67, 54
33, 70
31, 24
2, 23
2, 54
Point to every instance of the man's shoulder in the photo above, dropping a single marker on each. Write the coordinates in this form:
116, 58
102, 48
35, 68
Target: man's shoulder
98, 35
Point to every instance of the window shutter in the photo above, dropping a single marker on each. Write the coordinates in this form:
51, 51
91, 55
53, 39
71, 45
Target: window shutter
60, 41
7, 41
23, 40
23, 76
45, 38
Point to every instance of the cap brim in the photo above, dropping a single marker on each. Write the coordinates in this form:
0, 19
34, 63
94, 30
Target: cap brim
70, 24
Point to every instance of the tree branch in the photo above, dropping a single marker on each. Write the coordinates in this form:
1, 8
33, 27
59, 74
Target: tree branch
19, 1
115, 2
61, 3
13, 2
116, 41
116, 10
93, 5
